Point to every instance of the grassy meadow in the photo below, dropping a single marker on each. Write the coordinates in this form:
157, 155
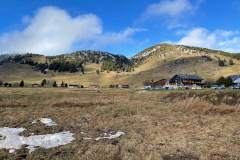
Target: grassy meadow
172, 125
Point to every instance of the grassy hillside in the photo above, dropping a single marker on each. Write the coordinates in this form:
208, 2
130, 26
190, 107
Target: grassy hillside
163, 61
157, 62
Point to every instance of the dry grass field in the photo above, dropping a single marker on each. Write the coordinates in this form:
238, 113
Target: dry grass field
174, 125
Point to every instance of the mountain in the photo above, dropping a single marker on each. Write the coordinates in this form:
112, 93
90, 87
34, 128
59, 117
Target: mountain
72, 62
96, 67
165, 60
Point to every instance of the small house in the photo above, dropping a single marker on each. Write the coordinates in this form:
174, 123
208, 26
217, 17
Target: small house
124, 86
154, 84
35, 85
159, 83
73, 86
94, 86
113, 86
186, 80
235, 80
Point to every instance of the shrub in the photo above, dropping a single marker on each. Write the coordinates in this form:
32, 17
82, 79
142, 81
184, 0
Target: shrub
221, 63
231, 62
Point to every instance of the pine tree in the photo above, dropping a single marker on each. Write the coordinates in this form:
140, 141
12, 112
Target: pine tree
44, 82
62, 84
21, 84
54, 84
97, 71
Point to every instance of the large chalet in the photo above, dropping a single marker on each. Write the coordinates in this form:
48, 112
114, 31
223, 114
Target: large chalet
185, 79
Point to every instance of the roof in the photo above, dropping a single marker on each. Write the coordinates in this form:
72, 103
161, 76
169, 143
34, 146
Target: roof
188, 76
234, 77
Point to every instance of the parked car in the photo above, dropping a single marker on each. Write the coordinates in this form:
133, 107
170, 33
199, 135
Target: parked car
147, 87
196, 87
217, 87
236, 87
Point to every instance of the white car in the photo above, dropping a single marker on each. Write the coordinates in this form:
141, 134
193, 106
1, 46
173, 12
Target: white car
218, 87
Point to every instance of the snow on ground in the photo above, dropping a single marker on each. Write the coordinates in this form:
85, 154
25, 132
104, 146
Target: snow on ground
111, 135
10, 137
13, 141
47, 121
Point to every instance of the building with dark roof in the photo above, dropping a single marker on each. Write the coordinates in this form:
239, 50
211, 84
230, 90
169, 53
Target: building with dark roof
186, 79
235, 79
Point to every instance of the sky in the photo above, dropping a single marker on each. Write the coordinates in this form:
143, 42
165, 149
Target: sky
126, 27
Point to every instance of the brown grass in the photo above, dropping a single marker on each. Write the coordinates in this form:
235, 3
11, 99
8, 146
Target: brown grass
156, 127
197, 106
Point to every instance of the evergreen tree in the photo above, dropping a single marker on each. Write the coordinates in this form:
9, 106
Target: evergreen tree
66, 85
44, 82
21, 84
224, 81
62, 84
97, 71
54, 84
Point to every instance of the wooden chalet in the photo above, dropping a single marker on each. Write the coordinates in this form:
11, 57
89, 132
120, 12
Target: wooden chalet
185, 79
159, 83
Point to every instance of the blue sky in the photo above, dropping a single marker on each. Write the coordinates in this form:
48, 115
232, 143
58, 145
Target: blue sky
124, 27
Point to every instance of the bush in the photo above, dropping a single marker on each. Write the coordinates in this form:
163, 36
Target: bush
231, 62
221, 63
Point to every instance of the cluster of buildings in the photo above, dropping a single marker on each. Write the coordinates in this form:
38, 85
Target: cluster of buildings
188, 81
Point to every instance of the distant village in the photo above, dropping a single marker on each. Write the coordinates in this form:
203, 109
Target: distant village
195, 82
177, 82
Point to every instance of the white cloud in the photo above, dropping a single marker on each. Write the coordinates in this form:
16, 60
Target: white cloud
172, 13
124, 36
169, 7
52, 30
225, 40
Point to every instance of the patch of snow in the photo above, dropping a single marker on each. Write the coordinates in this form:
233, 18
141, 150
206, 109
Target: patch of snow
14, 141
47, 121
12, 151
34, 122
111, 135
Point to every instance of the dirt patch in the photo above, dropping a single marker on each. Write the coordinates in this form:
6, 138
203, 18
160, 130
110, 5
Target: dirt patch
180, 156
69, 104
12, 105
223, 156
